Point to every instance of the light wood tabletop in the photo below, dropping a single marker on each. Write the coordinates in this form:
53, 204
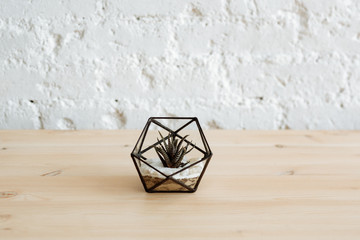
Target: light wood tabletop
258, 185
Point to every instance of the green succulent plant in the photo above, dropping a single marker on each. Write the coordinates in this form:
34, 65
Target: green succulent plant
171, 152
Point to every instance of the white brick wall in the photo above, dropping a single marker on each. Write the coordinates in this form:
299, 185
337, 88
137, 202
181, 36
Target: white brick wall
244, 64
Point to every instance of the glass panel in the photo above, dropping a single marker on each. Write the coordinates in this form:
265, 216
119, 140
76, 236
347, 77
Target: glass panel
170, 185
147, 148
195, 139
171, 124
141, 138
190, 176
151, 181
148, 174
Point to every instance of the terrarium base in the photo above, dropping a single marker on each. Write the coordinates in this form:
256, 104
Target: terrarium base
170, 185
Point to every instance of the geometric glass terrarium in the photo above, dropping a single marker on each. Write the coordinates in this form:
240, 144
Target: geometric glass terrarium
180, 137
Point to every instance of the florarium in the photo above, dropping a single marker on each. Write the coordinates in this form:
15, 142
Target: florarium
171, 154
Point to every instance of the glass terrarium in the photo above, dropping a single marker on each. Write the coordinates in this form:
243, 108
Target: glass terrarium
171, 154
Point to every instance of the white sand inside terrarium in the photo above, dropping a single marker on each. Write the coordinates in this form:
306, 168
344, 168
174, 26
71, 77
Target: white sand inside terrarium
191, 172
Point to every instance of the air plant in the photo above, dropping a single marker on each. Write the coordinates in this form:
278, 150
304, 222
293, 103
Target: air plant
171, 152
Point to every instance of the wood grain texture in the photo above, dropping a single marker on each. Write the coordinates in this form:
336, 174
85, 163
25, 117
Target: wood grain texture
259, 185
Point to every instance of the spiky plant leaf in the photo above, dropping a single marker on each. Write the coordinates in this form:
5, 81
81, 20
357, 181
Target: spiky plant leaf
181, 156
174, 148
190, 148
163, 140
161, 145
160, 156
180, 143
164, 155
170, 146
171, 152
178, 155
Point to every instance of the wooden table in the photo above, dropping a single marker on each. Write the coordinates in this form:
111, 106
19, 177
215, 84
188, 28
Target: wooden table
259, 185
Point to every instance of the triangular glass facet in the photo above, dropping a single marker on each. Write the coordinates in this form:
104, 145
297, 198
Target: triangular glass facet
170, 185
149, 179
190, 176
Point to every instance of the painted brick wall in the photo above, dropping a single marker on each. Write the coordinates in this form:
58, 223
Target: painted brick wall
245, 64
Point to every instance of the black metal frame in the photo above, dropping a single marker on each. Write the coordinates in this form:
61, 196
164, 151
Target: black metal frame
137, 153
